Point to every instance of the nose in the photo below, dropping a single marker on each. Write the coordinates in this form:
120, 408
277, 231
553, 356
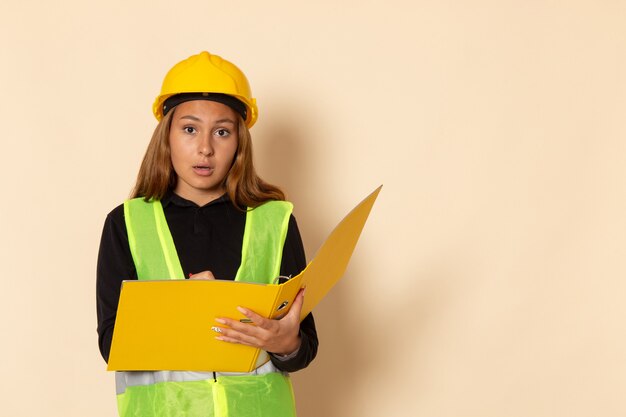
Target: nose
205, 146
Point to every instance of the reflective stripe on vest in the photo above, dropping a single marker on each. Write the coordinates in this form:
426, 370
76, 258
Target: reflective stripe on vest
124, 380
173, 393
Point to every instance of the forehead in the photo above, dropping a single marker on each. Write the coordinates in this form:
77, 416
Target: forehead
205, 110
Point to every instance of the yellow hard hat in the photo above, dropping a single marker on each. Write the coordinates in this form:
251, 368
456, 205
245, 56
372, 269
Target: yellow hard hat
206, 73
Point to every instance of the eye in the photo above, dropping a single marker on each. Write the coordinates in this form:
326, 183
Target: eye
222, 133
189, 129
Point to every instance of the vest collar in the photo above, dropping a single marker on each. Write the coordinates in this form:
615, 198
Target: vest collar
172, 198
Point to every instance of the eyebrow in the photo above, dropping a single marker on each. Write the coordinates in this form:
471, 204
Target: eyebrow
197, 119
190, 117
225, 121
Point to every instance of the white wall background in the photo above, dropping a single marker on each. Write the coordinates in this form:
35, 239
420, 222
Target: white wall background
489, 280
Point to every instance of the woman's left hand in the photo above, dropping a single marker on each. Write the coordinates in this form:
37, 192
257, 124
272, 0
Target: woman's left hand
281, 337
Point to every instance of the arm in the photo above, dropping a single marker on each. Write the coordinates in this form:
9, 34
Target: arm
114, 265
294, 262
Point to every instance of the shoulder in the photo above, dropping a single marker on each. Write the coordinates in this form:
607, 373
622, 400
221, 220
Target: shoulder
114, 233
279, 205
116, 215
275, 210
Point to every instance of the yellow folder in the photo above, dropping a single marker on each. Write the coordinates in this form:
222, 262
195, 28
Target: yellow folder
166, 325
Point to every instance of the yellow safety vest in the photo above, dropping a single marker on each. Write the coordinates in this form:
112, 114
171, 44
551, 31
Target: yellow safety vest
264, 392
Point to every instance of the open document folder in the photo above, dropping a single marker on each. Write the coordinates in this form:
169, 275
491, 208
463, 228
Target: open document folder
166, 325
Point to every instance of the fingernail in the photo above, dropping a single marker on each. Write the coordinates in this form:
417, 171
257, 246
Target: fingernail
216, 329
242, 310
220, 321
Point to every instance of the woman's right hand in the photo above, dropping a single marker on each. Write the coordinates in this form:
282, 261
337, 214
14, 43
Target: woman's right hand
202, 275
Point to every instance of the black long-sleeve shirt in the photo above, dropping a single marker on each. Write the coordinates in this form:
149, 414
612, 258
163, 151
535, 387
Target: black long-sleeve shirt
206, 238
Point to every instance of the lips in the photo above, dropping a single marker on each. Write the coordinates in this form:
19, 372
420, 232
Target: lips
203, 170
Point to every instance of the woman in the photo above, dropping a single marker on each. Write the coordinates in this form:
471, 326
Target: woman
197, 187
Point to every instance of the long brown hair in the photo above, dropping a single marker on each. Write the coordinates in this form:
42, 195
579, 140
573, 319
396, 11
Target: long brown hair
243, 186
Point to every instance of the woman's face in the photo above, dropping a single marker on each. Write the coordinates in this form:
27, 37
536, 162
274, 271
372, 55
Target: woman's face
203, 142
